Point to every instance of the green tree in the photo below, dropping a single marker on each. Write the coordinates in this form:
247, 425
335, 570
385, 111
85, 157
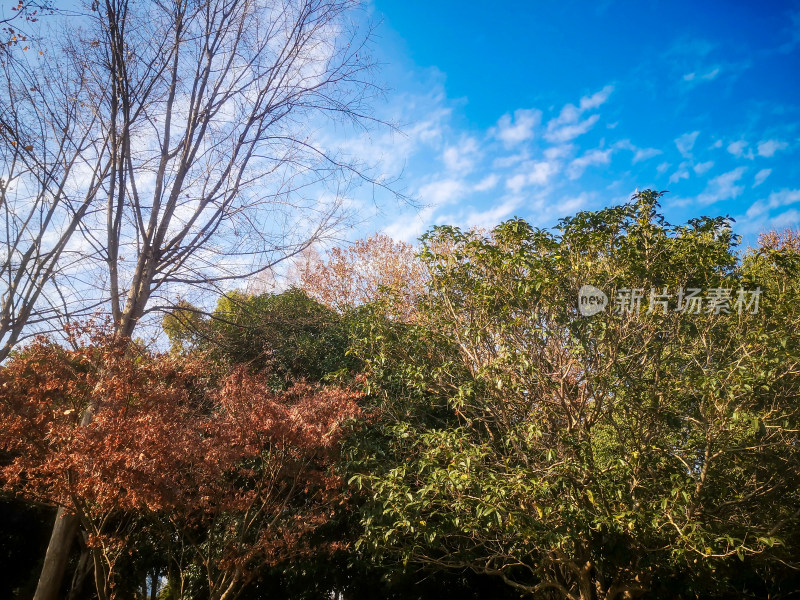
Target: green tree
644, 450
288, 335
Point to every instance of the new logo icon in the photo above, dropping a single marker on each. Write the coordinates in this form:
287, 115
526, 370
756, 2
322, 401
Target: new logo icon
591, 300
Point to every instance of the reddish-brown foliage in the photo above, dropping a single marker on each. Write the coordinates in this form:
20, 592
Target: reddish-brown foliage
240, 473
368, 270
787, 240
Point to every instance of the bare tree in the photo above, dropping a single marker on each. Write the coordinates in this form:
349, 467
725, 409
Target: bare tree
52, 167
210, 109
207, 164
15, 18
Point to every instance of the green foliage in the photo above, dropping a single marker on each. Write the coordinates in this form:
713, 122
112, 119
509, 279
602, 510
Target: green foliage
184, 326
287, 335
588, 457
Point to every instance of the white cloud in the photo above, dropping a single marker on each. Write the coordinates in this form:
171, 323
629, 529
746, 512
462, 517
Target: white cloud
492, 216
428, 118
592, 157
786, 219
790, 218
775, 200
639, 154
534, 173
556, 152
761, 176
722, 187
685, 143
512, 131
461, 157
737, 149
681, 173
543, 209
442, 192
409, 227
597, 99
696, 77
568, 124
767, 148
660, 169
504, 162
542, 171
486, 183
703, 167
645, 153
711, 75
570, 132
516, 183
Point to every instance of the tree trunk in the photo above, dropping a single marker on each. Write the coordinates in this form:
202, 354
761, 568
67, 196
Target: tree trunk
55, 560
154, 584
64, 531
81, 572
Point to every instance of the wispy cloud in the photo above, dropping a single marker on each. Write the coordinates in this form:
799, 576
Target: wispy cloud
557, 152
542, 171
685, 143
492, 216
569, 132
442, 192
519, 128
681, 173
722, 187
592, 157
774, 200
768, 148
737, 149
639, 154
709, 76
703, 167
487, 183
645, 153
761, 176
597, 99
533, 173
794, 33
544, 207
569, 123
461, 157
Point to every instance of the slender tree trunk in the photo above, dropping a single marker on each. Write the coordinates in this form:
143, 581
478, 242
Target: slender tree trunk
65, 530
81, 572
61, 540
100, 576
154, 584
55, 560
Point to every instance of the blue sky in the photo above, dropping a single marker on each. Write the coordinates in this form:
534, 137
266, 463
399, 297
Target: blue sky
541, 109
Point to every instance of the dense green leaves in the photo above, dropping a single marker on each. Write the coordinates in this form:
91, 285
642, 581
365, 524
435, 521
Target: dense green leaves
588, 457
288, 336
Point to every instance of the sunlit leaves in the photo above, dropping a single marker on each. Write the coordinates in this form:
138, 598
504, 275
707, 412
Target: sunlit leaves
533, 442
240, 472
